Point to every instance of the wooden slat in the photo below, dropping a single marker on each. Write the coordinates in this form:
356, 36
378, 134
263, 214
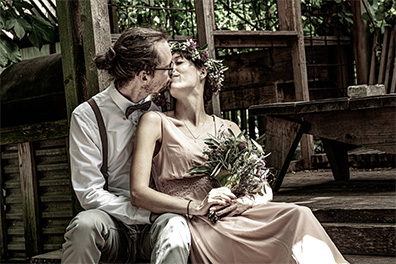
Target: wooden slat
360, 43
30, 198
205, 27
97, 39
70, 37
252, 39
3, 232
270, 39
231, 99
35, 132
290, 19
325, 105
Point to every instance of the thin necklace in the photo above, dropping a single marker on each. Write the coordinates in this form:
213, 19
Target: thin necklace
195, 138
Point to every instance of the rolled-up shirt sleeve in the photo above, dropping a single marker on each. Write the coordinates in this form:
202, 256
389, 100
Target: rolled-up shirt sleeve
87, 179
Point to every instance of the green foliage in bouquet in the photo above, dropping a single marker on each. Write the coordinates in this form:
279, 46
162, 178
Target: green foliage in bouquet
236, 162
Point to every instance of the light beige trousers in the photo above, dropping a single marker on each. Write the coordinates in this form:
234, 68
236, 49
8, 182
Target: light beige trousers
93, 236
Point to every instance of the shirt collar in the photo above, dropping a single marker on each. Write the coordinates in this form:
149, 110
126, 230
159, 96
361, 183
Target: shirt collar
121, 101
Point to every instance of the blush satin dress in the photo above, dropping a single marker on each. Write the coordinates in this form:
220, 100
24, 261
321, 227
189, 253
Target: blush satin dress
270, 232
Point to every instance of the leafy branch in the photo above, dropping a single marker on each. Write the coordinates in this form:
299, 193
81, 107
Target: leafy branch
17, 23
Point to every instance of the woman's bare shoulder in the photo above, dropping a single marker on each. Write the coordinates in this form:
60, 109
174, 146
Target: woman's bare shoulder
150, 117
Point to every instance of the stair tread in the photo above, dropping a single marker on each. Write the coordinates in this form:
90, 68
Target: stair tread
321, 202
369, 259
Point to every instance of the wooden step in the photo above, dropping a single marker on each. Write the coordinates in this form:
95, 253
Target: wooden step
370, 259
52, 257
359, 215
353, 238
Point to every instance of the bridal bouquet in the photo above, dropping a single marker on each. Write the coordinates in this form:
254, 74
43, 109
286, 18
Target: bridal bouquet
235, 162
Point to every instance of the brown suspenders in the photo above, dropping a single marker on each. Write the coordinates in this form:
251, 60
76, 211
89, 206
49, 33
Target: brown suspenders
103, 137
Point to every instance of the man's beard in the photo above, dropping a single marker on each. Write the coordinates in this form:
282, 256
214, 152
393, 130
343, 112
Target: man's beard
149, 87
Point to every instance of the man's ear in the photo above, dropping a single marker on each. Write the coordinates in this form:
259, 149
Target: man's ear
203, 73
144, 76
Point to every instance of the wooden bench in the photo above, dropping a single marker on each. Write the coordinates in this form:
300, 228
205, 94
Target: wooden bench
49, 257
341, 123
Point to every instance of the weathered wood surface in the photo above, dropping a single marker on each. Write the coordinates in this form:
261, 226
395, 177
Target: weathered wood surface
96, 36
249, 39
325, 105
30, 198
32, 91
290, 19
3, 230
266, 76
337, 153
74, 77
371, 128
49, 257
282, 140
361, 47
205, 27
35, 173
369, 122
359, 214
35, 132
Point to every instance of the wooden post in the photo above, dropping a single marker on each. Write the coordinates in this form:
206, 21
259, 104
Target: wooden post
113, 18
372, 75
3, 230
360, 43
393, 80
290, 20
97, 39
205, 26
252, 126
243, 120
27, 172
384, 51
72, 53
390, 58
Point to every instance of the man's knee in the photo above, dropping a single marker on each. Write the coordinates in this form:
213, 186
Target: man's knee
174, 229
174, 223
86, 223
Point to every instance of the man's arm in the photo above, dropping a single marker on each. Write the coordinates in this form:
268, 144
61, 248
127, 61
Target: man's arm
87, 180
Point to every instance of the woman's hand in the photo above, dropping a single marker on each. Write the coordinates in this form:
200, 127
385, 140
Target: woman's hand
237, 207
216, 197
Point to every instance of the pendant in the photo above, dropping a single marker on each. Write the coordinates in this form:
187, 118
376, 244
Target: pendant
195, 140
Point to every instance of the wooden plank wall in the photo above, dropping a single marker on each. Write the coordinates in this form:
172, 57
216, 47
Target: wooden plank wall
37, 201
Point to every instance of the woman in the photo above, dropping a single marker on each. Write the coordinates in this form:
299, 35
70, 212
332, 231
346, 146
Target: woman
252, 229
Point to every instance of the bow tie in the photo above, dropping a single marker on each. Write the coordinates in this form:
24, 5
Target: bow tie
144, 107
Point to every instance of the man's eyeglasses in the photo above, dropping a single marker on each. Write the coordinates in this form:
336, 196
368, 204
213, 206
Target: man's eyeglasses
169, 69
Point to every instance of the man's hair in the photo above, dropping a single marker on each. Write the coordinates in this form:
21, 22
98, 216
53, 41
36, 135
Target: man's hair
133, 52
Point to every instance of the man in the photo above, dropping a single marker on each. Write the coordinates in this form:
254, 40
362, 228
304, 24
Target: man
111, 229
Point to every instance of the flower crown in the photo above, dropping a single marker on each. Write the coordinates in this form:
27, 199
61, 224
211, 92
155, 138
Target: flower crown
215, 68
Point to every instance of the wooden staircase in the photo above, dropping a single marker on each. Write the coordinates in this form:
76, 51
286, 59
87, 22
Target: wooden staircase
359, 214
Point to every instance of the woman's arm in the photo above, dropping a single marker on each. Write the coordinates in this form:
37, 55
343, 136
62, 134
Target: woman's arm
148, 134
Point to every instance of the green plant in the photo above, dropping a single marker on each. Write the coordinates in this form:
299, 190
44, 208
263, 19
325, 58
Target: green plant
380, 14
18, 23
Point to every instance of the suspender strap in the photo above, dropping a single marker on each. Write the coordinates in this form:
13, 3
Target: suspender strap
103, 137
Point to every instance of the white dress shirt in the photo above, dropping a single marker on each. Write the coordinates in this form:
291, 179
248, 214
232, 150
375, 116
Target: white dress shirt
86, 156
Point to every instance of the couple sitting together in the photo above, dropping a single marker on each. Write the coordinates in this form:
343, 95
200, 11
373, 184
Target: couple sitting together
152, 208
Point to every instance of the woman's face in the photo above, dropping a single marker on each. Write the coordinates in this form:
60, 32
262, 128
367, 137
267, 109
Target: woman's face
185, 77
